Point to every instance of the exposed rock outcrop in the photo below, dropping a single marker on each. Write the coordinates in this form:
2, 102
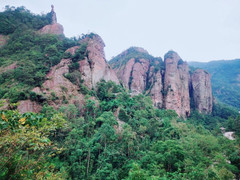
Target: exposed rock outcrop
53, 15
139, 76
202, 91
157, 88
94, 67
138, 73
58, 89
124, 72
176, 84
9, 67
54, 27
168, 85
29, 106
3, 40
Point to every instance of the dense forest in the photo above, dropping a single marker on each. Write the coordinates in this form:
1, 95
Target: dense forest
114, 135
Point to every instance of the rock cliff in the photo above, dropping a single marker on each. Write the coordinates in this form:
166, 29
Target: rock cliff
58, 90
176, 84
202, 91
94, 67
54, 27
168, 83
140, 72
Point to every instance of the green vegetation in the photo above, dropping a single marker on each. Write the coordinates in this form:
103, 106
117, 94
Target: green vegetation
31, 54
26, 150
111, 135
225, 80
149, 143
133, 52
137, 54
13, 19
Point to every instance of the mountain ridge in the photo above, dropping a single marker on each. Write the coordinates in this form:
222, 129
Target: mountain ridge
86, 125
143, 73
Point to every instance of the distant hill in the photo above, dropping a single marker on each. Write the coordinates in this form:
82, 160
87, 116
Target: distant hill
225, 79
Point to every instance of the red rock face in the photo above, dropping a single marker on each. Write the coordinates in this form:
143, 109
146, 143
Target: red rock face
95, 67
139, 76
202, 91
52, 29
176, 86
57, 84
10, 67
124, 72
156, 91
136, 75
92, 69
29, 106
72, 50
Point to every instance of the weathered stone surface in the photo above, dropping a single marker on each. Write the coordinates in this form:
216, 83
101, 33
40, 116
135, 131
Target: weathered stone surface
53, 15
72, 50
29, 106
157, 88
202, 91
58, 86
10, 67
94, 68
176, 85
86, 72
52, 29
118, 128
58, 89
168, 87
124, 72
139, 76
3, 40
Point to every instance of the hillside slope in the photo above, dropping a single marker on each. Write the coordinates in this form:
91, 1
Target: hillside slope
225, 79
66, 116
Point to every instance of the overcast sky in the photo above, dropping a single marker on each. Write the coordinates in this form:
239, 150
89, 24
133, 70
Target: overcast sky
199, 30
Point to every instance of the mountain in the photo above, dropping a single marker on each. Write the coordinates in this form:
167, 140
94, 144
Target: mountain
169, 83
66, 113
225, 77
44, 66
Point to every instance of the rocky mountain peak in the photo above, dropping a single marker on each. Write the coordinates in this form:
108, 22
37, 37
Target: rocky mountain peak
54, 27
53, 15
94, 67
167, 83
176, 84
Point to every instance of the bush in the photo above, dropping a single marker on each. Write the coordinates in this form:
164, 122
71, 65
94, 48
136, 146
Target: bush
80, 53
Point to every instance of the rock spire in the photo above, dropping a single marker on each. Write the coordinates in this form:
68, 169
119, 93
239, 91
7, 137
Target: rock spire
53, 15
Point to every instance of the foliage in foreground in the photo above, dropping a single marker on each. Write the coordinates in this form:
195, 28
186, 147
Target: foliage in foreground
149, 144
115, 136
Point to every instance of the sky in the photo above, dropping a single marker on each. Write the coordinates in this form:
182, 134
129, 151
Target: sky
198, 30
